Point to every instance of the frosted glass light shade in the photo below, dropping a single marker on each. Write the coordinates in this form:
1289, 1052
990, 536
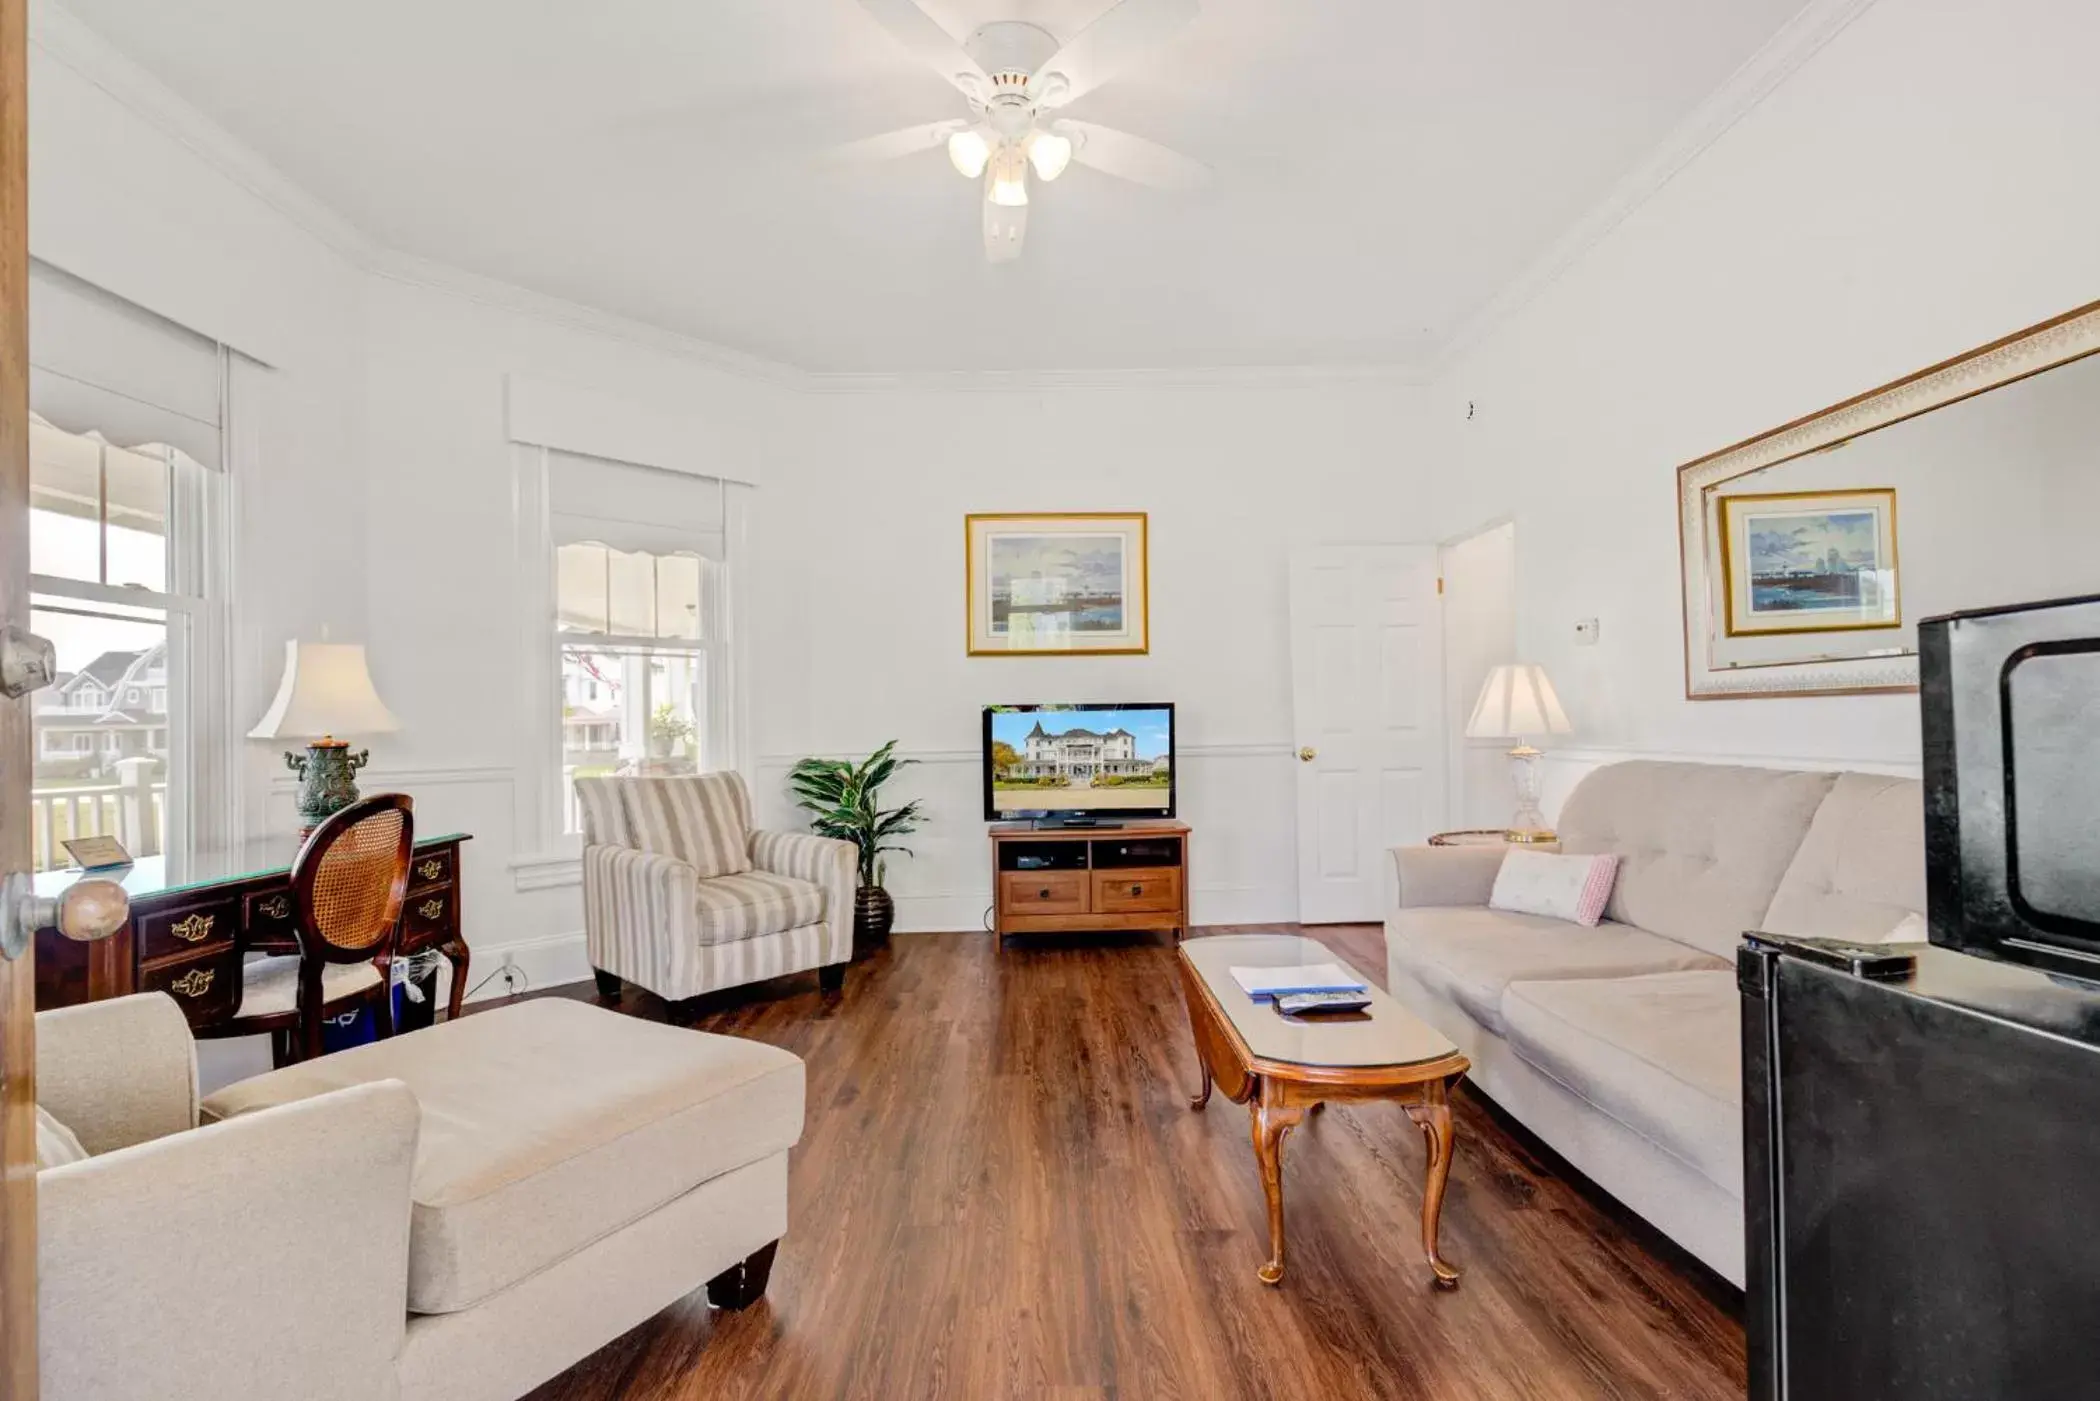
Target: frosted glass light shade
968, 151
1049, 153
1007, 184
1517, 700
326, 692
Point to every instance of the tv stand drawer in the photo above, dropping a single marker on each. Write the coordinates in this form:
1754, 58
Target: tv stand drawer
1043, 892
1137, 890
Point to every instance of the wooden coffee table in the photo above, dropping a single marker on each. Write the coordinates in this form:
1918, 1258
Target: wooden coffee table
1284, 1066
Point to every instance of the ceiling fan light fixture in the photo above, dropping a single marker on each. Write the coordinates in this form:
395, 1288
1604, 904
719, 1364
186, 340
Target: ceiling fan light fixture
969, 152
1007, 185
1049, 153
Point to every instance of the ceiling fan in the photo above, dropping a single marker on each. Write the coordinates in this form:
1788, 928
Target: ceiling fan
1017, 78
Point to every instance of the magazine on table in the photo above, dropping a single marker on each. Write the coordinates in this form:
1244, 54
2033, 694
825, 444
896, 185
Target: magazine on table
1264, 984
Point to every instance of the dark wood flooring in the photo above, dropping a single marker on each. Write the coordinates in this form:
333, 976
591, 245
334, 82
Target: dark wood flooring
1002, 1192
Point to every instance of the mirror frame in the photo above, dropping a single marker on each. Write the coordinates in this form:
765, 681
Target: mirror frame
2058, 341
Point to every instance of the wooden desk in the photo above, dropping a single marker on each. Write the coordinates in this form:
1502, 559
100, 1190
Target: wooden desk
189, 931
1057, 880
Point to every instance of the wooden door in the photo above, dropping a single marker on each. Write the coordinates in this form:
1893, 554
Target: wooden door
1367, 699
18, 1361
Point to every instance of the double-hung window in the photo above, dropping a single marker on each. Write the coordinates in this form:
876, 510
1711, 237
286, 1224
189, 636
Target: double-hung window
640, 623
127, 557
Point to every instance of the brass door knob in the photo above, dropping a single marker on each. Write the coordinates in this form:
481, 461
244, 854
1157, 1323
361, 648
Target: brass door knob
1308, 754
88, 910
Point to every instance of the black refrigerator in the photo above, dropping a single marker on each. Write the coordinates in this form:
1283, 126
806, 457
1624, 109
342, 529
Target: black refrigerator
1922, 1179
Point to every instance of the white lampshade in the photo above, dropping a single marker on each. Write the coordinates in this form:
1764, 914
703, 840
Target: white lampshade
1517, 701
326, 692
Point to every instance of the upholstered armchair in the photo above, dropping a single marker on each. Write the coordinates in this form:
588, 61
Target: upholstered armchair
681, 896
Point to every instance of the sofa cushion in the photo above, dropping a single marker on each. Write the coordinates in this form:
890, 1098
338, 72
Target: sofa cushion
702, 819
1861, 869
755, 903
1468, 955
548, 1125
1662, 1054
1701, 847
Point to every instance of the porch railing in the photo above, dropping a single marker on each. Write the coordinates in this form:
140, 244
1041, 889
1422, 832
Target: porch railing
134, 811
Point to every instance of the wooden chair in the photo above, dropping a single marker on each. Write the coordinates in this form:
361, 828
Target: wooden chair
348, 883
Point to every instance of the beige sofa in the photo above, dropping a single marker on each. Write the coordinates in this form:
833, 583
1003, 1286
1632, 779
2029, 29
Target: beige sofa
458, 1213
1619, 1045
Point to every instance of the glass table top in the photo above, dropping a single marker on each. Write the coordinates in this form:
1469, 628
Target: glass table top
165, 875
1385, 1033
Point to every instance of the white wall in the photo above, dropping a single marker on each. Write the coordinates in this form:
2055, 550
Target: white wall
863, 591
1900, 199
1480, 634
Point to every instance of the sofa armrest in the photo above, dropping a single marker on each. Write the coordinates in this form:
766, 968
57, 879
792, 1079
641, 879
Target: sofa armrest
826, 862
267, 1256
638, 913
118, 1072
1447, 875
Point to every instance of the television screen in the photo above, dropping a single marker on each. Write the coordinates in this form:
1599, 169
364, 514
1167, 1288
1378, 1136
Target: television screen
1101, 761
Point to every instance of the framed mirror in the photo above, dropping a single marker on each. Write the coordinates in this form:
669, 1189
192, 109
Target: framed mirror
1809, 553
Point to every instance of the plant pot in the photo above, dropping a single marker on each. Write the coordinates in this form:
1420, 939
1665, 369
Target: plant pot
873, 914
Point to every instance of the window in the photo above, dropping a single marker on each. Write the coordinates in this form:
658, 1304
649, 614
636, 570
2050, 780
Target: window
629, 574
126, 554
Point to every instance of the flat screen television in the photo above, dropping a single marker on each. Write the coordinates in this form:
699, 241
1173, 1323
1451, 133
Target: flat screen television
2011, 712
1079, 765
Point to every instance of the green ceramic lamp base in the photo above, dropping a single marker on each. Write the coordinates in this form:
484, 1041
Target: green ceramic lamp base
327, 779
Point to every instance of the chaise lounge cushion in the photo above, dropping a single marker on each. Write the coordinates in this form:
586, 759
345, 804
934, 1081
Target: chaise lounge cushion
756, 903
547, 1126
1661, 1054
1468, 955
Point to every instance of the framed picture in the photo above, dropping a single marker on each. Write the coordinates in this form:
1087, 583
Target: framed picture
1810, 561
1057, 584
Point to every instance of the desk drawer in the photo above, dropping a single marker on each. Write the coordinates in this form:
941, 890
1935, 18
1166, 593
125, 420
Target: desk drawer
1043, 892
430, 868
187, 929
428, 916
273, 924
207, 987
1139, 890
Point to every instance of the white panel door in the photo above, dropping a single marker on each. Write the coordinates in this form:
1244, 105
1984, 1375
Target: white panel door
1367, 696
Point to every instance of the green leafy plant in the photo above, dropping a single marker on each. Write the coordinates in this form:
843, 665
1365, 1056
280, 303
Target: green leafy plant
841, 797
669, 729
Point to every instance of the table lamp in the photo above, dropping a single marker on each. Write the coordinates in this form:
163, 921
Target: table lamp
326, 691
1518, 702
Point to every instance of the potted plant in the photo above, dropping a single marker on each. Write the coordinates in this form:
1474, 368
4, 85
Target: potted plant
842, 797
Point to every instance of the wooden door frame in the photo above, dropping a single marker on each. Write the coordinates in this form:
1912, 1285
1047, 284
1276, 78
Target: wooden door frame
18, 1347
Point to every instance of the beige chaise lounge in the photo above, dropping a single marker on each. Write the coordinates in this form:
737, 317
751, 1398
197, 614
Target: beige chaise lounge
458, 1213
1620, 1045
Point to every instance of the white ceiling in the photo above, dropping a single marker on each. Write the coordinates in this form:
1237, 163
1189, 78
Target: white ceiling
1384, 167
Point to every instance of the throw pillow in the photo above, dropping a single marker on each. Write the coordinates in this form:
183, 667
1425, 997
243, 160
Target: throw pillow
1574, 888
55, 1144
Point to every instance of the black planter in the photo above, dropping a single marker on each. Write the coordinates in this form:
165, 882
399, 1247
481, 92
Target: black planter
873, 914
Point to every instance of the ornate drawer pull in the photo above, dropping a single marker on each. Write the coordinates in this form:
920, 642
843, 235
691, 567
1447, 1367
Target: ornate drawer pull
431, 869
276, 907
194, 983
193, 929
431, 909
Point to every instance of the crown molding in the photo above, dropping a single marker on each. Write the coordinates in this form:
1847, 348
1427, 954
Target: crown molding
65, 38
1761, 74
1185, 377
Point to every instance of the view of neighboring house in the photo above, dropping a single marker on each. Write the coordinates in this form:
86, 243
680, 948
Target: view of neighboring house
116, 707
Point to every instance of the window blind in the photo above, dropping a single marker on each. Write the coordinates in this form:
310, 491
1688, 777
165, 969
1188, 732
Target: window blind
98, 363
635, 509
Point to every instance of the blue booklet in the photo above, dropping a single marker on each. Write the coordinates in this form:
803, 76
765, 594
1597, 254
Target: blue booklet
1265, 984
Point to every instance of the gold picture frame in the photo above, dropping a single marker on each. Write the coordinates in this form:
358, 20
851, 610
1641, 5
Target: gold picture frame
1804, 600
1057, 583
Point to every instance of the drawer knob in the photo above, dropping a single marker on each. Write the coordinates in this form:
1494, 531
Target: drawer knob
276, 907
431, 870
431, 909
1043, 894
1137, 890
194, 983
192, 929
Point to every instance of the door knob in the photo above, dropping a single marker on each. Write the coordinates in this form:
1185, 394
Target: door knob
88, 910
1308, 754
27, 663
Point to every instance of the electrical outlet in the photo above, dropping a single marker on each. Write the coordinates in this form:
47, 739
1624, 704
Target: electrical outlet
1585, 632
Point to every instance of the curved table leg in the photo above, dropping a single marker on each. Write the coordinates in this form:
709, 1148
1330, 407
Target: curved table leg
1433, 1116
455, 952
1201, 1097
1272, 1123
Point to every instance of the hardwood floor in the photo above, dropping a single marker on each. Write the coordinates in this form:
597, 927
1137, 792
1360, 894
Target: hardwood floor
1002, 1192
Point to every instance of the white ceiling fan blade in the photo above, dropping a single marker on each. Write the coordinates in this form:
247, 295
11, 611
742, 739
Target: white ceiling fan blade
1005, 226
1133, 158
935, 46
895, 145
1108, 46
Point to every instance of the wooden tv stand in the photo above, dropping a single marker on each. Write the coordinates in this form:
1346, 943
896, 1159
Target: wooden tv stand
1061, 880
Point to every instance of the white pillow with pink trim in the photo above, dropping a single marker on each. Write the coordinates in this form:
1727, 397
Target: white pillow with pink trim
1574, 888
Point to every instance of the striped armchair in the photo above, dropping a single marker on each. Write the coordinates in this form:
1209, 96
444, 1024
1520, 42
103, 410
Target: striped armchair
681, 897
